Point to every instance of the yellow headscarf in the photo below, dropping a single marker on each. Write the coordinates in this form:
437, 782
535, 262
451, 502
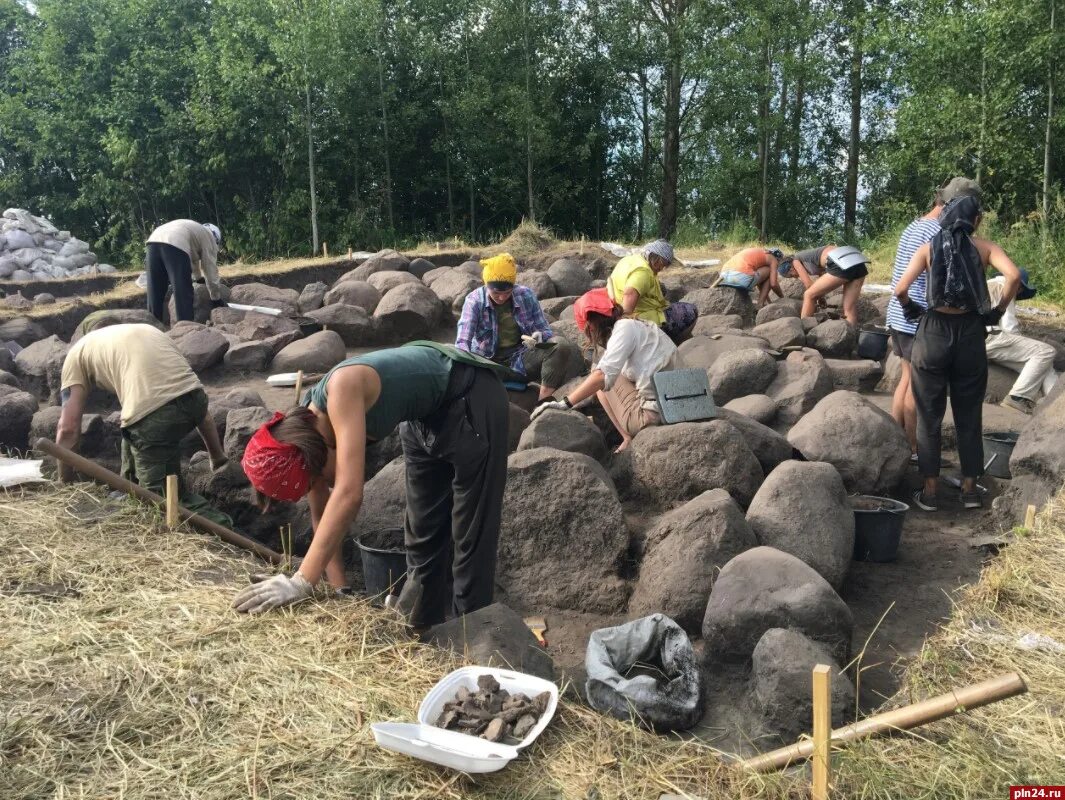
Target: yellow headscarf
499, 268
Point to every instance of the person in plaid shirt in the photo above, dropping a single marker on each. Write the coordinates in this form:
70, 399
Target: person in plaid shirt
503, 321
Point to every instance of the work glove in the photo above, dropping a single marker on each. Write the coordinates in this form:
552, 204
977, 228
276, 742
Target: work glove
911, 310
558, 405
218, 303
533, 339
280, 590
993, 317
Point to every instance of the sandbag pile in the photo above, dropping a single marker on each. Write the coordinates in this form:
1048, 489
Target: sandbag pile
33, 249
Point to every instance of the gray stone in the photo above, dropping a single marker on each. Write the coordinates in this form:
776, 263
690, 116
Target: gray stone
764, 588
383, 281
780, 683
251, 326
472, 267
248, 356
354, 293
418, 267
565, 430
1038, 460
17, 302
758, 407
778, 310
541, 284
563, 534
453, 288
201, 302
723, 300
16, 415
40, 366
855, 375
676, 463
9, 379
354, 325
408, 312
802, 380
569, 277
203, 349
860, 440
556, 305
686, 549
118, 316
319, 352
717, 323
436, 272
833, 338
700, 352
494, 636
740, 373
518, 420
241, 425
260, 294
43, 299
768, 446
384, 260
22, 330
384, 500
1000, 380
802, 509
782, 332
312, 296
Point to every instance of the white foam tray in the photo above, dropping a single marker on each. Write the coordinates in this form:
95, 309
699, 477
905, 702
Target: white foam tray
460, 751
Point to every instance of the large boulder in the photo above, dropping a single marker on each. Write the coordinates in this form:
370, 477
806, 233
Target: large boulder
241, 425
202, 304
1000, 380
248, 356
384, 502
354, 293
21, 330
203, 348
860, 440
260, 294
717, 323
40, 366
686, 549
104, 318
859, 374
759, 407
383, 281
354, 324
554, 307
472, 267
768, 446
541, 284
1038, 460
764, 588
312, 296
675, 463
723, 300
833, 338
780, 683
434, 273
563, 535
778, 310
569, 277
782, 332
16, 415
802, 381
739, 373
494, 636
453, 288
319, 352
384, 260
418, 267
700, 352
565, 430
518, 419
251, 326
408, 312
802, 509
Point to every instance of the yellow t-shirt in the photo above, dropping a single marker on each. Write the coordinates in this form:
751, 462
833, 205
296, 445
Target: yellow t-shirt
138, 363
634, 272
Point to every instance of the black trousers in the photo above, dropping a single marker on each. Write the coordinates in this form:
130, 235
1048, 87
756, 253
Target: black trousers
455, 475
949, 355
166, 265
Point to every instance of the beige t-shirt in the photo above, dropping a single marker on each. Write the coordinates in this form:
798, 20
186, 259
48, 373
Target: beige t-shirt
191, 237
138, 363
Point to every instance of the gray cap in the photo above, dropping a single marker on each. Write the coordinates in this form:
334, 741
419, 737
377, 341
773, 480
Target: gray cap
958, 187
660, 248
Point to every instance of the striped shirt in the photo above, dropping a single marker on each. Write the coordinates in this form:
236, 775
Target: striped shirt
917, 233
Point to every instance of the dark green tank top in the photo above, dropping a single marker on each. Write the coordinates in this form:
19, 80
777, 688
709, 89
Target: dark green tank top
413, 384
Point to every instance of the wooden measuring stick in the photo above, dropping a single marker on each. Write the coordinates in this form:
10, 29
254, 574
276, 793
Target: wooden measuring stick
172, 501
299, 385
822, 680
351, 254
325, 250
1029, 517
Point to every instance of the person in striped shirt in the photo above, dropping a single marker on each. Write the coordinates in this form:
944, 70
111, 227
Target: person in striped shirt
917, 233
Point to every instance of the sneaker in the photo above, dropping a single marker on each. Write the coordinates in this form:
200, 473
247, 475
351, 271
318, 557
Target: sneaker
1022, 404
971, 500
924, 501
913, 459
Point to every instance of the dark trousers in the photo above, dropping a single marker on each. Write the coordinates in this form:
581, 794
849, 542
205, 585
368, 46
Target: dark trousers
949, 355
456, 472
166, 265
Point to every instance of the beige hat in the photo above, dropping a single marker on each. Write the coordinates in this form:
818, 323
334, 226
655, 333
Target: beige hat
958, 187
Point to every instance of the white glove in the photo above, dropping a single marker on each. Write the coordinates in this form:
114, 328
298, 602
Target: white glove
533, 339
560, 405
279, 590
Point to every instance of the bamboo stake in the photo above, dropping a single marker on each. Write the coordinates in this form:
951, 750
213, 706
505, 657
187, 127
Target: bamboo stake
172, 501
912, 716
822, 726
325, 250
93, 470
351, 254
1029, 517
299, 385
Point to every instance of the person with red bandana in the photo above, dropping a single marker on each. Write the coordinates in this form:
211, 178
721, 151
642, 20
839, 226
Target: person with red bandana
452, 411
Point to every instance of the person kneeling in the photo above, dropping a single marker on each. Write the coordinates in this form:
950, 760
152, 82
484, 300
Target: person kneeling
635, 351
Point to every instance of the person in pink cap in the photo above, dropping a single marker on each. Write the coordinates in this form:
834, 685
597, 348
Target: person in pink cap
633, 351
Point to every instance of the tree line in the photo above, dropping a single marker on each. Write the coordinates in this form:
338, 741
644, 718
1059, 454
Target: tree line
376, 122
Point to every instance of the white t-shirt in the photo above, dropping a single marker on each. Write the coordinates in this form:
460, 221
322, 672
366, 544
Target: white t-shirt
638, 349
1009, 321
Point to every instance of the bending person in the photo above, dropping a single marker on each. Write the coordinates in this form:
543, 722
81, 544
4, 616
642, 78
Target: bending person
175, 251
1032, 359
948, 350
622, 379
503, 321
162, 401
751, 267
451, 410
634, 285
831, 278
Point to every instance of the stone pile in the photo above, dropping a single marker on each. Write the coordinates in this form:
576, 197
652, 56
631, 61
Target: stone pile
492, 712
33, 249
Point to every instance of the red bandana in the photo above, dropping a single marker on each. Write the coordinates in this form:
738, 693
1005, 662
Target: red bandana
274, 468
595, 301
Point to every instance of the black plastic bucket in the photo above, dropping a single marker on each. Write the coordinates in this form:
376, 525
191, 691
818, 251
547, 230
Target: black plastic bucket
873, 343
999, 444
877, 527
384, 570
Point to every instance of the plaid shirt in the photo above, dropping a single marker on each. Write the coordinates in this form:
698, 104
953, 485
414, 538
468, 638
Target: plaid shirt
478, 331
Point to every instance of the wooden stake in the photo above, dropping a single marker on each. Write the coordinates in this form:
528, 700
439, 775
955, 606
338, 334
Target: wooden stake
299, 385
172, 501
325, 250
822, 681
351, 254
1029, 517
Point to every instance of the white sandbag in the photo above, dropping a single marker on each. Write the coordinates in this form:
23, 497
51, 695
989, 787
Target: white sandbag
18, 239
74, 247
63, 236
52, 245
83, 259
27, 255
8, 266
46, 226
21, 275
65, 263
106, 269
